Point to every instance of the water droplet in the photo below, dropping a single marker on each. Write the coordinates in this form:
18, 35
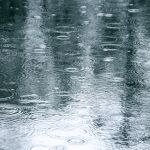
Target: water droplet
37, 17
72, 70
108, 15
113, 26
131, 4
83, 11
83, 7
53, 15
6, 95
31, 96
63, 37
111, 47
100, 14
86, 22
117, 79
76, 141
29, 99
42, 46
62, 93
108, 59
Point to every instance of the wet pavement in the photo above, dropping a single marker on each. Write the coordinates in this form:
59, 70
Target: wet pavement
74, 75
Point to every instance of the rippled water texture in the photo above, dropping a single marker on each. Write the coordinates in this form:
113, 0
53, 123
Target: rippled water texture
74, 75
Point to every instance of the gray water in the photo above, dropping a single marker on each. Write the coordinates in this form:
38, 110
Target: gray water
74, 75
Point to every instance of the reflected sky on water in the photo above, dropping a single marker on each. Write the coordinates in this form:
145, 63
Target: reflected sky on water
74, 75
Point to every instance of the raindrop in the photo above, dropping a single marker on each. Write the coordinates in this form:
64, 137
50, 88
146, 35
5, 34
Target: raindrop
131, 4
29, 99
37, 17
86, 22
133, 10
113, 26
108, 15
100, 14
76, 141
62, 93
42, 46
108, 59
110, 47
63, 37
6, 95
53, 15
117, 79
32, 96
109, 39
83, 11
72, 70
83, 7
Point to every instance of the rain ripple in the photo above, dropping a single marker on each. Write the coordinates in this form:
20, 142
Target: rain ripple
76, 141
6, 95
7, 111
111, 47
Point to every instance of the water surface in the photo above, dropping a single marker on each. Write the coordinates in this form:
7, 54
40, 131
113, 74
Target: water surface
74, 75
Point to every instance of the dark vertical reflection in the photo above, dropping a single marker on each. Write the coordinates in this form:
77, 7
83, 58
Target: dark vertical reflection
12, 18
133, 84
11, 39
